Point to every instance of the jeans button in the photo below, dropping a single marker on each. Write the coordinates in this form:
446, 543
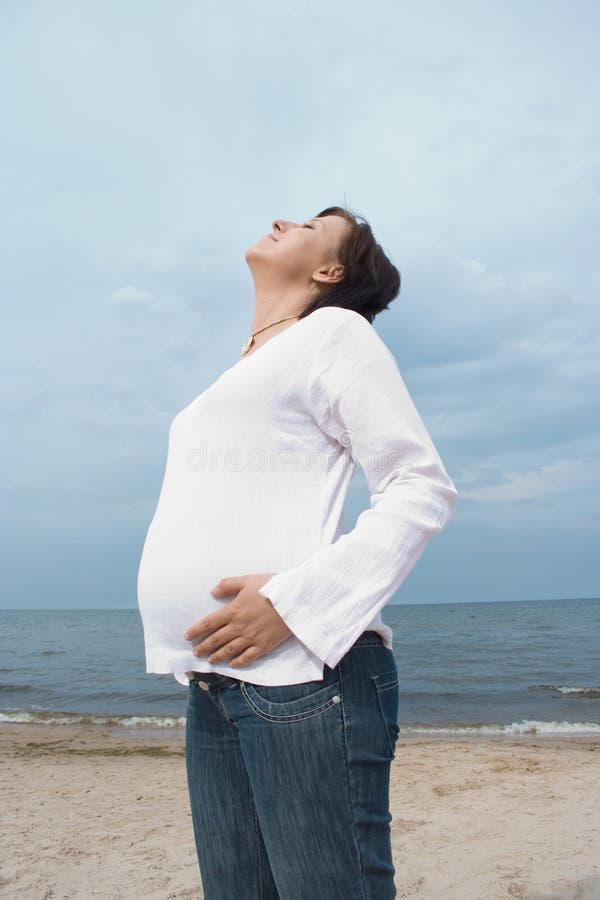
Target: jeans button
204, 685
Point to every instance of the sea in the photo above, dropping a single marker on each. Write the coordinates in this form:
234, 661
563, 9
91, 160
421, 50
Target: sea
501, 668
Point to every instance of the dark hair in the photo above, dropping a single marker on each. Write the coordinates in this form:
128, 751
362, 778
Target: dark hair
370, 281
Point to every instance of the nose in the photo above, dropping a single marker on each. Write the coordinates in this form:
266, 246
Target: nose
281, 225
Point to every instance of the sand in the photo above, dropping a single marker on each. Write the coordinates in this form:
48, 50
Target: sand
90, 812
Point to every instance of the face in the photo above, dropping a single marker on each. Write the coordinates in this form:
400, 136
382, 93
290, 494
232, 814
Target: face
302, 251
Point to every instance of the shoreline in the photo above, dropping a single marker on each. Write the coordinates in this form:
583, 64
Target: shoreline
90, 811
17, 731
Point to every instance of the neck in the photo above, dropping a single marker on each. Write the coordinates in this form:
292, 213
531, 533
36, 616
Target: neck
273, 301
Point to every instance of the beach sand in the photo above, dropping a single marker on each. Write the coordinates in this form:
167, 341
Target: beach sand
90, 812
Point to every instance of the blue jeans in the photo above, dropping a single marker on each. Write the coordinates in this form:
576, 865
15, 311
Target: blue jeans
289, 784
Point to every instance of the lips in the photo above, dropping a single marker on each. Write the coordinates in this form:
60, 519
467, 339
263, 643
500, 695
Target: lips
272, 238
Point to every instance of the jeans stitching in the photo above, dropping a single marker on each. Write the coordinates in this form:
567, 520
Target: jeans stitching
349, 783
317, 711
381, 710
257, 844
386, 685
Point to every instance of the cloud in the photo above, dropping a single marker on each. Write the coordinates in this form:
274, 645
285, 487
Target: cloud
130, 297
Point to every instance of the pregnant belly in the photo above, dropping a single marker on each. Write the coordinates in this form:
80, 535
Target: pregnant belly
177, 572
180, 566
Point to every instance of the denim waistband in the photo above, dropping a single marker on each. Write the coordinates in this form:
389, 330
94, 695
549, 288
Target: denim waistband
369, 637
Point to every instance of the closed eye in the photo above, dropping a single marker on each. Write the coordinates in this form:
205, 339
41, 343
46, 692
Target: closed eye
308, 226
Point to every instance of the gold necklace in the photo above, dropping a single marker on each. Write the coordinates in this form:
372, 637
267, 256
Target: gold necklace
250, 340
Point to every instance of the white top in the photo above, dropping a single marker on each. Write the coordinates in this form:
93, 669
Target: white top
257, 470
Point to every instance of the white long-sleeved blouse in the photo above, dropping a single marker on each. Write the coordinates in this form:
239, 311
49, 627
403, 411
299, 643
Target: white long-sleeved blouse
257, 470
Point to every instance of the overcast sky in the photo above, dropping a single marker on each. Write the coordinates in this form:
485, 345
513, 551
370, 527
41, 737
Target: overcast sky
146, 145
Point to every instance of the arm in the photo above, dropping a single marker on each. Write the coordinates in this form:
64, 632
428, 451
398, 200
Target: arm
360, 400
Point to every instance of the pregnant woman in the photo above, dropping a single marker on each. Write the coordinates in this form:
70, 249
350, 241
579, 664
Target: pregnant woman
254, 595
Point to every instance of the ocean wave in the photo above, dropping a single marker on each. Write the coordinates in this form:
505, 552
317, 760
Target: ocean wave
571, 690
582, 691
525, 727
15, 688
27, 717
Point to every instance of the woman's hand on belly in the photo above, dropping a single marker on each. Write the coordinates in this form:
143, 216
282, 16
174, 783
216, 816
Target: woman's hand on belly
246, 629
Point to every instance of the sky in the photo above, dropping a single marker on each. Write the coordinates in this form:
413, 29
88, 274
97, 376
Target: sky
147, 145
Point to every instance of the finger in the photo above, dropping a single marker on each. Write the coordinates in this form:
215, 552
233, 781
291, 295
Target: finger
249, 655
208, 623
215, 641
231, 585
228, 650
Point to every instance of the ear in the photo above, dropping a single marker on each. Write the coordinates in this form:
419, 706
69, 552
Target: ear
329, 274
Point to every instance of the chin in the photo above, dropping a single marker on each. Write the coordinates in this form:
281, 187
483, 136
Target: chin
256, 250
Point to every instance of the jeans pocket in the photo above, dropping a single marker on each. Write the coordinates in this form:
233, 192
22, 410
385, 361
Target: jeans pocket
291, 702
387, 691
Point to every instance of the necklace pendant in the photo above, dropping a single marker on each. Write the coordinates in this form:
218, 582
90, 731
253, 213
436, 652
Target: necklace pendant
248, 344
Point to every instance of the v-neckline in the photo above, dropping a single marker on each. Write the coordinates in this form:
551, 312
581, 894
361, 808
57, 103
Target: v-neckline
271, 339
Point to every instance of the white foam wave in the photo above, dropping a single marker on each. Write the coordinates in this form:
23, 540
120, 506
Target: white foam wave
570, 689
23, 717
526, 726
